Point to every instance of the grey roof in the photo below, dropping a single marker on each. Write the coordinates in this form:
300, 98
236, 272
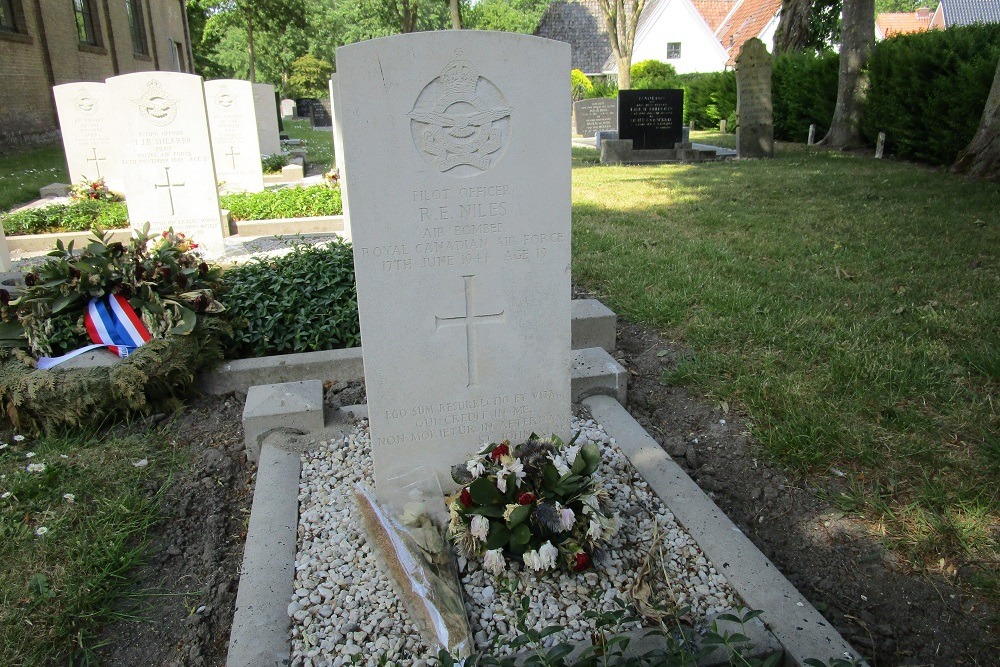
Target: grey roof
580, 24
967, 12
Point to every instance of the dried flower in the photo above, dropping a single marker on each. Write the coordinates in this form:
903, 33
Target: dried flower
475, 468
582, 562
526, 498
30, 279
494, 562
480, 527
503, 449
566, 519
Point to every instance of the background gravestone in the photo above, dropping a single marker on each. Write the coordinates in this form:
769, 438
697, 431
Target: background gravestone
652, 119
235, 144
267, 118
166, 153
595, 115
287, 108
462, 247
303, 106
86, 126
754, 118
320, 114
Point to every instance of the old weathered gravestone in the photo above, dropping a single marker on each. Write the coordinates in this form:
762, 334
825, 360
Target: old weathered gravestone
162, 131
462, 247
267, 118
287, 108
88, 133
652, 119
595, 115
235, 144
755, 122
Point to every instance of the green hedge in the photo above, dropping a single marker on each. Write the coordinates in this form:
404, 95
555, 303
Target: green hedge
653, 75
708, 98
804, 92
295, 202
79, 216
928, 90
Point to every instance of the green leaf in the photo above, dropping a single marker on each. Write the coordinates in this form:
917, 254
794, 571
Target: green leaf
591, 453
499, 535
519, 515
63, 300
520, 535
491, 511
485, 492
39, 586
186, 325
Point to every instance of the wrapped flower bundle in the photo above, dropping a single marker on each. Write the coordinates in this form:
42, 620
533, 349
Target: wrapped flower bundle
539, 502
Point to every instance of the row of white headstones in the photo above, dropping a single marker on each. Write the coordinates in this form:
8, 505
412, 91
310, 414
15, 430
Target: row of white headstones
168, 141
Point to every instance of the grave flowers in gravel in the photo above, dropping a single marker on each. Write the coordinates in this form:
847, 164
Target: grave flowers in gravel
169, 289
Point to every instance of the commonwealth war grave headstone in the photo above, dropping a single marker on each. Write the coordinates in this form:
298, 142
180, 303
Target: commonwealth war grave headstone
233, 126
596, 115
652, 119
166, 154
755, 122
462, 248
267, 118
87, 133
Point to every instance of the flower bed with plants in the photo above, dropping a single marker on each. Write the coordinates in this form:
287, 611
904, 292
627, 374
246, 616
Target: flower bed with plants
545, 561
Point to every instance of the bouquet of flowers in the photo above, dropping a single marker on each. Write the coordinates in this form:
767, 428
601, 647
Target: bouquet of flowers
538, 502
96, 190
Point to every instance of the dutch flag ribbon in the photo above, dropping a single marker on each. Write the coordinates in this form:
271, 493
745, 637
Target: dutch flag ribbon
111, 322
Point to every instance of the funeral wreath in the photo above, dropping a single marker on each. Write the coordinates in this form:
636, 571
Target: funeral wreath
539, 502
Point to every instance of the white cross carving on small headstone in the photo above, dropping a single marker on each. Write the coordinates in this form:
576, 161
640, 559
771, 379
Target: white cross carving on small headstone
468, 320
170, 188
232, 155
97, 161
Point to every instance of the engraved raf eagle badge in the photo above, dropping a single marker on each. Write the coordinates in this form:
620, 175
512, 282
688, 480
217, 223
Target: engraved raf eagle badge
86, 103
155, 106
460, 120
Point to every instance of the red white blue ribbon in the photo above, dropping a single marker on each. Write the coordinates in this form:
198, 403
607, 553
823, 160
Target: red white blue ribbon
111, 322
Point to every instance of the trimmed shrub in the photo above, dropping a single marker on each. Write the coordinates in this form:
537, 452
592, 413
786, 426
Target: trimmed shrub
708, 98
80, 216
654, 75
295, 202
603, 88
273, 164
301, 302
580, 84
804, 92
928, 90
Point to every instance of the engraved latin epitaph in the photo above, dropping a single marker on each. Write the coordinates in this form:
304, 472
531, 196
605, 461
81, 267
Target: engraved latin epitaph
97, 162
469, 321
460, 119
170, 188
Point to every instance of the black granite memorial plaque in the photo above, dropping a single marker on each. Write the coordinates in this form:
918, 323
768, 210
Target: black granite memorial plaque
651, 118
320, 114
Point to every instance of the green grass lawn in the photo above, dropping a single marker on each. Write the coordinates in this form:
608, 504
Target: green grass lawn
319, 143
850, 306
24, 172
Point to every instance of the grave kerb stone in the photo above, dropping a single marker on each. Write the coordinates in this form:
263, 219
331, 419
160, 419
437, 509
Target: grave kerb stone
462, 248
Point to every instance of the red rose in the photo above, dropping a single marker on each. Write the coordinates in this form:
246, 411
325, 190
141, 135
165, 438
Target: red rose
465, 497
498, 451
582, 562
526, 498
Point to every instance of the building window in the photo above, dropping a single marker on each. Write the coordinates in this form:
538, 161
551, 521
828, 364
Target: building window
673, 50
85, 27
176, 55
137, 25
8, 21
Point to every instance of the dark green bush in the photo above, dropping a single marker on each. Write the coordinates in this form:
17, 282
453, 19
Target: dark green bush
80, 216
295, 202
708, 98
928, 90
273, 164
653, 75
301, 302
803, 92
602, 88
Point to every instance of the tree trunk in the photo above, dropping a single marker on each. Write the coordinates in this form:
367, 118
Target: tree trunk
621, 17
793, 26
981, 158
252, 75
624, 71
858, 40
456, 16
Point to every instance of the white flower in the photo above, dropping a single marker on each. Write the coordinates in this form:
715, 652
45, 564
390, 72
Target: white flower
480, 528
547, 555
494, 562
560, 463
69, 497
594, 532
3, 445
41, 530
36, 467
570, 453
532, 561
5, 495
566, 519
63, 456
475, 468
29, 455
511, 466
18, 438
141, 463
502, 482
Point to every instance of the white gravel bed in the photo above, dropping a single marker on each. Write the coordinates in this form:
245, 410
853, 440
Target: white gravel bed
344, 605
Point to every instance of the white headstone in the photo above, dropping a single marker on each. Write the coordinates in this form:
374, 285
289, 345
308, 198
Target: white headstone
5, 263
338, 156
166, 153
287, 108
880, 145
235, 144
459, 186
267, 118
85, 120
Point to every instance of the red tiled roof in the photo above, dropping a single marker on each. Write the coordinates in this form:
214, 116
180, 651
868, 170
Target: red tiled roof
902, 23
746, 22
714, 11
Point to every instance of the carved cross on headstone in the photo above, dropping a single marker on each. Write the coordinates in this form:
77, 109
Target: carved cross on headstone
469, 320
97, 161
232, 155
170, 188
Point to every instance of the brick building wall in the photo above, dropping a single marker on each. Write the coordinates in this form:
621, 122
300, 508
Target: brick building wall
41, 48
